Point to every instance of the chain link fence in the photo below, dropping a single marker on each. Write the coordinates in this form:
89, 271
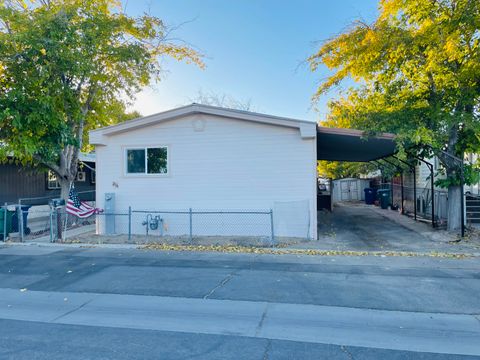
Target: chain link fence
176, 227
37, 223
188, 226
422, 198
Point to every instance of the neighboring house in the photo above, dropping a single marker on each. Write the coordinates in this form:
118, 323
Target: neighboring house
210, 158
36, 186
422, 173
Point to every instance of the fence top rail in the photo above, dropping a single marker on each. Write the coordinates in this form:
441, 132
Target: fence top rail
419, 188
201, 212
53, 196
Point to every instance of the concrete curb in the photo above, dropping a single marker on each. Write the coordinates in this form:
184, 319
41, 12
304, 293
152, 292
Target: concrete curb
254, 251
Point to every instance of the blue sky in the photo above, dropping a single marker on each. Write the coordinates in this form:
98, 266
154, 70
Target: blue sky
255, 50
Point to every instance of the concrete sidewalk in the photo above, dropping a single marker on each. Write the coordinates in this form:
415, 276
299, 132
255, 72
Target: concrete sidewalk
411, 331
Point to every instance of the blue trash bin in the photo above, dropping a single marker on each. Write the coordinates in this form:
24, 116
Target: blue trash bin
26, 229
370, 196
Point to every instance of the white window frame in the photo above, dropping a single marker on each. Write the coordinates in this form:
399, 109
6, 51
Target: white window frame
50, 180
81, 176
145, 148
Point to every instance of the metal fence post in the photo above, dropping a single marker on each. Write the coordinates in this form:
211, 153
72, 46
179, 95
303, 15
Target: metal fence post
130, 223
20, 222
191, 223
58, 224
51, 225
272, 234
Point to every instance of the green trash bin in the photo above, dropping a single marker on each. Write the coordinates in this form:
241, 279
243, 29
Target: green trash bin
384, 198
5, 224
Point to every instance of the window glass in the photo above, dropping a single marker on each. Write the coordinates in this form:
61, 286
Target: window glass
52, 182
157, 160
136, 161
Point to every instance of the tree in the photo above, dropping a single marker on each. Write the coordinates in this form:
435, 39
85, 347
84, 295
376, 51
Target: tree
68, 66
223, 100
417, 68
343, 169
340, 169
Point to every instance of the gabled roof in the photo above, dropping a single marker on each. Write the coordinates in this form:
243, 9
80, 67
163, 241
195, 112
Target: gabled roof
307, 128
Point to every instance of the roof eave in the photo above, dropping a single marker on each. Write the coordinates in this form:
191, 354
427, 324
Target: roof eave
207, 110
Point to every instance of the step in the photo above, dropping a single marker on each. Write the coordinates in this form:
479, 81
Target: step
473, 202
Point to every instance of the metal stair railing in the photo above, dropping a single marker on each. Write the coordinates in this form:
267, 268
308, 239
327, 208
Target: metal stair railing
472, 208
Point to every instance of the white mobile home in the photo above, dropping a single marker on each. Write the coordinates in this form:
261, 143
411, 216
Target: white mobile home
207, 158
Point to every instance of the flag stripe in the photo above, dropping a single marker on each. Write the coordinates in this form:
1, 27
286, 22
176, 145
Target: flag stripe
77, 207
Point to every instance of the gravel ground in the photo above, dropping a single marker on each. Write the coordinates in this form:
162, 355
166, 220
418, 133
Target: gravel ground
92, 238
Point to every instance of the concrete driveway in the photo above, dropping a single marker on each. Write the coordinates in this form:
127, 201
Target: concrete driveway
360, 227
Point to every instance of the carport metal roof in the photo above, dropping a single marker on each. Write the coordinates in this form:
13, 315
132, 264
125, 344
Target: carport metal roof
352, 145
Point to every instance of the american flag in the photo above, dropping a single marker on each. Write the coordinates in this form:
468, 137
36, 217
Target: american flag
77, 207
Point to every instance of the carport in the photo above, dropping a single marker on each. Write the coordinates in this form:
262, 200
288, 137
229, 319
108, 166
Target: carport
353, 145
334, 144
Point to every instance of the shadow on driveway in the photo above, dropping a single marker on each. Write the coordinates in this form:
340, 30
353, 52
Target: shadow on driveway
360, 227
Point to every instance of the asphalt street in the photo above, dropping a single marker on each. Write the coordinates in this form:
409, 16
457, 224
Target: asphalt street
91, 303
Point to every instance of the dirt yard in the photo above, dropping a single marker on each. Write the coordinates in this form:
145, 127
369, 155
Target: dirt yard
255, 241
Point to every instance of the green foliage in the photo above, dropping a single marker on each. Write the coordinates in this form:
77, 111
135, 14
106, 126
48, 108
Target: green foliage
471, 173
67, 67
340, 169
343, 169
417, 69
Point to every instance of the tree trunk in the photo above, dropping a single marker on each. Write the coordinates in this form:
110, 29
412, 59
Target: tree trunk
65, 188
67, 169
454, 211
454, 208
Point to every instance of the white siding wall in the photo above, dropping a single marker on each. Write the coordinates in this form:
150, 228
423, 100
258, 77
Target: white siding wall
230, 164
422, 174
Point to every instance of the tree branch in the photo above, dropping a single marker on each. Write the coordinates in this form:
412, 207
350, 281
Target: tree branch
50, 166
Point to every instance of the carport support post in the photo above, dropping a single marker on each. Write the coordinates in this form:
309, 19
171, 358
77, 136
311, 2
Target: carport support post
462, 194
129, 223
432, 187
415, 193
412, 167
391, 181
